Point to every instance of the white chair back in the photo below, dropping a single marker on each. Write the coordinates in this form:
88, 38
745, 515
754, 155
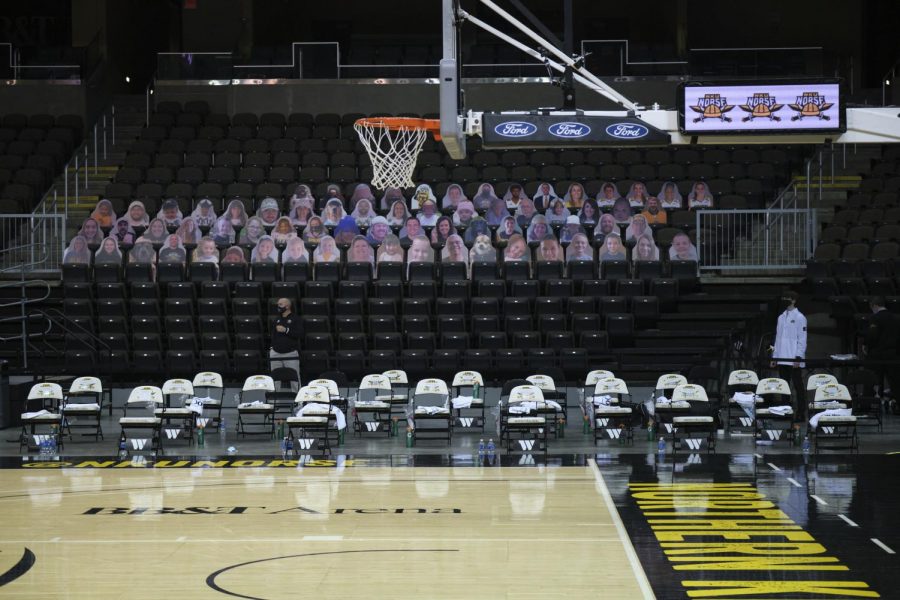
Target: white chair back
467, 378
526, 393
832, 392
256, 383
773, 385
375, 381
396, 376
689, 392
208, 379
86, 385
743, 377
545, 382
608, 387
313, 393
178, 386
669, 381
329, 384
46, 391
597, 375
145, 394
817, 380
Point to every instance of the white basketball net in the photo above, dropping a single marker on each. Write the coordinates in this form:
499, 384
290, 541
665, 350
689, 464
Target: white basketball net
393, 153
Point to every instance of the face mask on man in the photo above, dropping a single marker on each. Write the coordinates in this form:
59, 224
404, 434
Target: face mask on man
282, 309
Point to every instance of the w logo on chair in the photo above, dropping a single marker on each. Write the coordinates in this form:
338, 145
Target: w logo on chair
173, 434
201, 422
40, 439
305, 443
602, 422
372, 425
614, 433
746, 421
139, 443
774, 434
526, 445
466, 421
694, 443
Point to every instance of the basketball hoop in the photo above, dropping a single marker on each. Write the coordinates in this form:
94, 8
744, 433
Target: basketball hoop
393, 145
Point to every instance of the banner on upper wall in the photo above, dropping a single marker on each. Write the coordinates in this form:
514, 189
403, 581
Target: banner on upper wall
761, 108
567, 130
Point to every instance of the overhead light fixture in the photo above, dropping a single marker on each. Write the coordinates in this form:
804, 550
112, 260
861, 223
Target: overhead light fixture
127, 79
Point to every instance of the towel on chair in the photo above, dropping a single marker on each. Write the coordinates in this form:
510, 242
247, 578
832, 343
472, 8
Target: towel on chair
339, 419
31, 415
781, 410
462, 402
831, 412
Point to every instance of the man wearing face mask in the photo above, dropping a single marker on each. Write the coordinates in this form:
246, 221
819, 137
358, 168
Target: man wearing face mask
790, 350
285, 336
882, 338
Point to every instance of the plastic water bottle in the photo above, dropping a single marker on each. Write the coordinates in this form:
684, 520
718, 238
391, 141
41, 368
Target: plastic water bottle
123, 449
42, 447
661, 446
222, 429
806, 445
491, 448
51, 445
481, 447
284, 447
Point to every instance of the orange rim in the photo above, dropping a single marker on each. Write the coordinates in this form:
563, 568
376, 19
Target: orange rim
433, 126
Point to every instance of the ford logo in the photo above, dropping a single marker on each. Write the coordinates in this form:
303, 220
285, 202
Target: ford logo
569, 130
515, 129
627, 131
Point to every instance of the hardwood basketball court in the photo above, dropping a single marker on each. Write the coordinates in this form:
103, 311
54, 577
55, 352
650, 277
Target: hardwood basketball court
366, 532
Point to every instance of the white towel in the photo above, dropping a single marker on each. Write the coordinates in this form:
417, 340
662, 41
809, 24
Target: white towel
462, 402
430, 410
604, 400
781, 410
521, 408
196, 404
747, 401
251, 404
339, 419
835, 412
31, 415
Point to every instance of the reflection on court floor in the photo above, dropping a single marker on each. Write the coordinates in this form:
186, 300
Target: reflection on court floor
376, 532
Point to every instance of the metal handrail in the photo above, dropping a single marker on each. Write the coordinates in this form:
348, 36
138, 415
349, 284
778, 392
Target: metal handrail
65, 323
24, 284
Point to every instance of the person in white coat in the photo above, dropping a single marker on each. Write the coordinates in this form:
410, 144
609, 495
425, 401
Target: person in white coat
790, 350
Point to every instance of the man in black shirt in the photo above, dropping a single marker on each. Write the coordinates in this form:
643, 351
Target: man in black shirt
882, 339
285, 337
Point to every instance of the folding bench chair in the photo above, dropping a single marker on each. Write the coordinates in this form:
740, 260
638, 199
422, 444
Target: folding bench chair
586, 392
699, 426
431, 410
177, 393
468, 384
372, 408
254, 403
311, 423
143, 400
520, 421
741, 416
834, 427
83, 407
399, 393
775, 416
612, 420
665, 408
45, 423
813, 383
210, 389
338, 400
555, 412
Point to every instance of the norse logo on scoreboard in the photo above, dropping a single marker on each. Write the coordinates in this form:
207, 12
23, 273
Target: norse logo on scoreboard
811, 105
712, 106
761, 105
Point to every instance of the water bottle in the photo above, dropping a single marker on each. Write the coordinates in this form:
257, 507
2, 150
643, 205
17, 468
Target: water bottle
42, 447
481, 447
51, 445
806, 445
661, 446
123, 449
284, 445
222, 429
491, 448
